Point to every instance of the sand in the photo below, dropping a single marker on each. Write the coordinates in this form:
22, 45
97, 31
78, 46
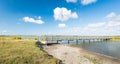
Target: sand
74, 55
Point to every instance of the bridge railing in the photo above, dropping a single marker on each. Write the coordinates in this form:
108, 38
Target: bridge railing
70, 37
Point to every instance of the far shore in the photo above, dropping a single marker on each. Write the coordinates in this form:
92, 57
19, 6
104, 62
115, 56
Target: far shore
74, 55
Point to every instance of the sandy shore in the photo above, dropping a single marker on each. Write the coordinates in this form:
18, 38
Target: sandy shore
74, 55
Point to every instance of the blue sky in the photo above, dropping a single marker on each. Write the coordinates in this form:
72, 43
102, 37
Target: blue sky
60, 17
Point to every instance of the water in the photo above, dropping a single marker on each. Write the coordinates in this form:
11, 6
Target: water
107, 48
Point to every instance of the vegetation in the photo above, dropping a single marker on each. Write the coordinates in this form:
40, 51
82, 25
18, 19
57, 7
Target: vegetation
23, 52
14, 50
115, 38
10, 38
16, 37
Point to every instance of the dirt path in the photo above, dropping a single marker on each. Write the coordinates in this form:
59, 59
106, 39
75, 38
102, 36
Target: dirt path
73, 55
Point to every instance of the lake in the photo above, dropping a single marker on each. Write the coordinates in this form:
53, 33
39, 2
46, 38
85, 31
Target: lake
108, 48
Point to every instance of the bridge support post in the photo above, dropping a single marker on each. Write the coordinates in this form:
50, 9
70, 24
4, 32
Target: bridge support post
57, 41
83, 41
68, 41
89, 41
102, 40
76, 41
93, 40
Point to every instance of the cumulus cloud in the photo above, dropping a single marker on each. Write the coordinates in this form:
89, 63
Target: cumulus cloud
114, 19
62, 25
63, 14
32, 20
73, 1
86, 2
111, 15
113, 24
110, 27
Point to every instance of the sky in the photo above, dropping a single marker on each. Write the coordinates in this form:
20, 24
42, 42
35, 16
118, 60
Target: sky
60, 17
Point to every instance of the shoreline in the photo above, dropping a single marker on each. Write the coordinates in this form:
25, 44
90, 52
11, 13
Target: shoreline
74, 55
97, 53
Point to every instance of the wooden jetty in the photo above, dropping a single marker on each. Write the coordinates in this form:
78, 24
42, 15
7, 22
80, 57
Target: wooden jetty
57, 39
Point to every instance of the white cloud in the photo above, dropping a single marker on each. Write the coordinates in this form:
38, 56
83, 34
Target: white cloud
114, 20
73, 1
113, 24
111, 15
96, 25
86, 2
32, 20
62, 25
63, 14
74, 15
111, 27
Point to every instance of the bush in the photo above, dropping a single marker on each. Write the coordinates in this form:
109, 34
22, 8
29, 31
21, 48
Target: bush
36, 38
17, 38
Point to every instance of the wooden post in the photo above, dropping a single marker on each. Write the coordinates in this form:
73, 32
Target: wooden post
76, 41
57, 41
83, 40
102, 40
89, 41
68, 41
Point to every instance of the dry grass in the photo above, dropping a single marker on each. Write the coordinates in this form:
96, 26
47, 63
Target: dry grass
23, 52
115, 38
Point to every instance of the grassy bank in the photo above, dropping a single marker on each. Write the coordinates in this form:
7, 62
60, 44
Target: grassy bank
23, 52
115, 38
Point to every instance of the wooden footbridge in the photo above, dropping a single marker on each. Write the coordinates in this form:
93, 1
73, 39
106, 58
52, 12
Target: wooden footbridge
57, 39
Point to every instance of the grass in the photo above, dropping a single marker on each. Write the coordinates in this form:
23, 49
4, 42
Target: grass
115, 38
13, 50
23, 52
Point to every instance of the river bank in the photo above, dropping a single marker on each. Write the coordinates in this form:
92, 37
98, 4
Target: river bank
24, 52
74, 55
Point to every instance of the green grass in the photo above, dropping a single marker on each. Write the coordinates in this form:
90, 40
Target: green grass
23, 52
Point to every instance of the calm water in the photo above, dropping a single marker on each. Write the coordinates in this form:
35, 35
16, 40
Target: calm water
106, 48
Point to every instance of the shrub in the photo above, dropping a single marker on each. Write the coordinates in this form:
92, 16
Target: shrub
17, 38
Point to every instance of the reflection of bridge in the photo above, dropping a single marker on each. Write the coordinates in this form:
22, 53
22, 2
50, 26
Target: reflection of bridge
56, 39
